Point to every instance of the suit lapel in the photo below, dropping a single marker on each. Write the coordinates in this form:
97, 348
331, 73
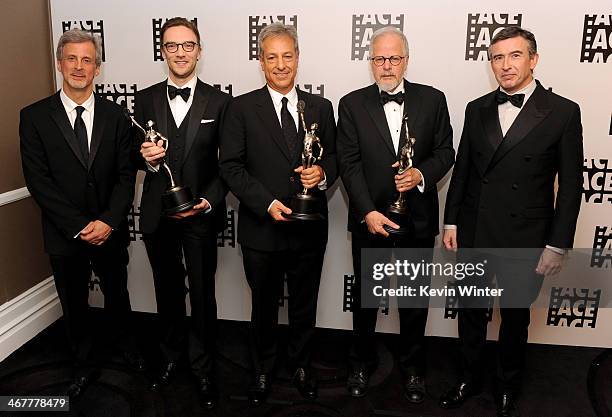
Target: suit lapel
160, 108
533, 112
198, 106
377, 113
494, 136
97, 133
267, 114
59, 116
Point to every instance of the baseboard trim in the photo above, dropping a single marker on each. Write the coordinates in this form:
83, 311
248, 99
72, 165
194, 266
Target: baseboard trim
28, 314
14, 195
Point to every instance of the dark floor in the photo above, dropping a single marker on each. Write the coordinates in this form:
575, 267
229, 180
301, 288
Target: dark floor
555, 381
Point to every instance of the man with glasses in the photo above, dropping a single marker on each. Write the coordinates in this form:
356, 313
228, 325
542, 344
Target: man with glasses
370, 136
189, 113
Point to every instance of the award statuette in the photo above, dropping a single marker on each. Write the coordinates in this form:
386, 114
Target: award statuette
177, 198
306, 206
398, 211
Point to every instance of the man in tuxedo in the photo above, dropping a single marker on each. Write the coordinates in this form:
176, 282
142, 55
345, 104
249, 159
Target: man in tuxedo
371, 133
75, 150
260, 161
189, 113
516, 140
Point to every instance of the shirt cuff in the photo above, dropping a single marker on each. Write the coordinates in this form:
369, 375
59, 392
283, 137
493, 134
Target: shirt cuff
421, 185
273, 201
450, 227
209, 209
323, 183
555, 249
152, 168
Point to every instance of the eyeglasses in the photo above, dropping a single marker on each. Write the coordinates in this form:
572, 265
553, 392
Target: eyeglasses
379, 61
187, 46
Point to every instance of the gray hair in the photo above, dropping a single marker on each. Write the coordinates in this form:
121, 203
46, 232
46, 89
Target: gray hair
277, 29
79, 36
389, 30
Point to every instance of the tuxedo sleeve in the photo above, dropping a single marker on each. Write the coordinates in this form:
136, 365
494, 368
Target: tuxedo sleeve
41, 184
458, 182
569, 194
435, 166
328, 139
233, 163
216, 190
122, 195
349, 161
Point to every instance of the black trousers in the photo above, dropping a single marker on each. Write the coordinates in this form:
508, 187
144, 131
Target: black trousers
521, 287
194, 237
265, 272
72, 276
412, 320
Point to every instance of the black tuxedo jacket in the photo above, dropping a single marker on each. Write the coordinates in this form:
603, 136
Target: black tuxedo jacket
70, 191
366, 153
504, 196
200, 168
256, 164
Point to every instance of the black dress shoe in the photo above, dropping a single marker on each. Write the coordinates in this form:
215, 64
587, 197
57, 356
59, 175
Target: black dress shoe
357, 383
414, 389
258, 391
80, 384
457, 395
164, 377
506, 406
306, 383
134, 361
207, 392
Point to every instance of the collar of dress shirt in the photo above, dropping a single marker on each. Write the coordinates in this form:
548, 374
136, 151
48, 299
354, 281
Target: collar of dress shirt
398, 89
70, 104
277, 97
191, 84
527, 90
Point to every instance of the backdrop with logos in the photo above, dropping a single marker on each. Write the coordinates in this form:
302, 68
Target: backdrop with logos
448, 44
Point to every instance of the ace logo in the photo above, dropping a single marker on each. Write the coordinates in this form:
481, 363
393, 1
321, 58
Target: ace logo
597, 181
92, 26
122, 94
596, 38
318, 90
601, 256
573, 307
257, 23
364, 26
481, 28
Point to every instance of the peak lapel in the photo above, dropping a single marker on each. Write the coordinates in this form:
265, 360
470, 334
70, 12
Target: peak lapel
377, 113
160, 108
533, 112
198, 107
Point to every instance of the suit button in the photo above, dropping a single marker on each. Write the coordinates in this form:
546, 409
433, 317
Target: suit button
515, 186
485, 181
90, 184
291, 179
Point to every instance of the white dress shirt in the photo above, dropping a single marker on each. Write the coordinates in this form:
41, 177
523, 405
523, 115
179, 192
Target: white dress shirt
394, 113
87, 115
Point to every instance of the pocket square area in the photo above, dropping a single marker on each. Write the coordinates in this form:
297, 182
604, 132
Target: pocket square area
207, 120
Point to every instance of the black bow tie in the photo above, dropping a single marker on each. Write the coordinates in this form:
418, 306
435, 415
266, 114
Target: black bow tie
515, 99
386, 97
183, 92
